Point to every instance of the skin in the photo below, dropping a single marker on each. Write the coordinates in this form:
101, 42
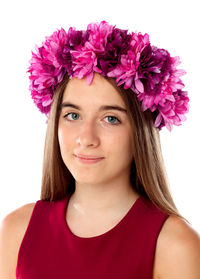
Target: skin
103, 192
102, 189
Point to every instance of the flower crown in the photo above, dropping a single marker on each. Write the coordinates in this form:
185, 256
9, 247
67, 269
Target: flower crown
149, 71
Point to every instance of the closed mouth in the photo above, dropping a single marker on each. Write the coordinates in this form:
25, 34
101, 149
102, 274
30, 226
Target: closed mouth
88, 157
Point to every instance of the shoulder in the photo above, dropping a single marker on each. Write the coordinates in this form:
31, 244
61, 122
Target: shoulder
178, 251
12, 230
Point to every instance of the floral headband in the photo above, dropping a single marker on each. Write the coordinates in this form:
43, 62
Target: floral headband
150, 72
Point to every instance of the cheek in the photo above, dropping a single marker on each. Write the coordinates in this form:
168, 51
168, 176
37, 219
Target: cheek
119, 143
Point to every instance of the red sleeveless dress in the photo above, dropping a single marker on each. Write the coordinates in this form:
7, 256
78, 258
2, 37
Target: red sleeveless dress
49, 250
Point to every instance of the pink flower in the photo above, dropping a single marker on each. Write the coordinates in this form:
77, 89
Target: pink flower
126, 71
99, 33
173, 110
84, 64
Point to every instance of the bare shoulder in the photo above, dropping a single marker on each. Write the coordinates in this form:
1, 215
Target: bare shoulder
177, 251
12, 230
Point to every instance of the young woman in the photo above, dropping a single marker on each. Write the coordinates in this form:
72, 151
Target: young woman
105, 210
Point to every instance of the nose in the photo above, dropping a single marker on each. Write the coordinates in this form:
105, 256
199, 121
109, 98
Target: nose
88, 135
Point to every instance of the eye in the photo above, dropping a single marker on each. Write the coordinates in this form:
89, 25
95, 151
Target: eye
74, 115
112, 119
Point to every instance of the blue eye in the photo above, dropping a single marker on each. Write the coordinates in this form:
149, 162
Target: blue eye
111, 118
72, 113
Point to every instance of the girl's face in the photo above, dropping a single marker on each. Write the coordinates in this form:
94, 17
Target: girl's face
93, 122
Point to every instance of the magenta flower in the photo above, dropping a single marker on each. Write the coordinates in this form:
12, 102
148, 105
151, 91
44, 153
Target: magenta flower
150, 72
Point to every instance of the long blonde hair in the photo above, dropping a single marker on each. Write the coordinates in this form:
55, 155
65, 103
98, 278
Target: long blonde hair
148, 175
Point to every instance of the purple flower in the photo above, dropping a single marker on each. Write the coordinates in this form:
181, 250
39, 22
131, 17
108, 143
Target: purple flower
117, 44
77, 38
85, 57
162, 85
126, 70
156, 68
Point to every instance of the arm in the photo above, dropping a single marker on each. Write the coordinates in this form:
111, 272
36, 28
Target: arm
178, 251
12, 230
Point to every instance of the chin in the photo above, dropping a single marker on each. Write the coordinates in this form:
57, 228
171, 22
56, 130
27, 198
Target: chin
85, 179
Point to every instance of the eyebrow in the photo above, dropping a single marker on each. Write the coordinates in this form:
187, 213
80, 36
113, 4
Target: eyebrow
102, 108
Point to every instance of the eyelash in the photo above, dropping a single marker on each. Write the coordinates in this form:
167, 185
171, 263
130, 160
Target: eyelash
65, 116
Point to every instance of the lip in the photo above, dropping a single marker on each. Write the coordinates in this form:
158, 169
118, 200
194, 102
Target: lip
88, 159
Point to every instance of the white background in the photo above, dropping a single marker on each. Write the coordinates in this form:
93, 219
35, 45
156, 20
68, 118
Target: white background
172, 25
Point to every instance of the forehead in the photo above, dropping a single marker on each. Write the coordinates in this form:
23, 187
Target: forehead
100, 91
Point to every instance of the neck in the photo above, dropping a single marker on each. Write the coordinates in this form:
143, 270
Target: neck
102, 198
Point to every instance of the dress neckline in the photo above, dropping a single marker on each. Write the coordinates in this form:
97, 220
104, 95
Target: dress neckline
124, 219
